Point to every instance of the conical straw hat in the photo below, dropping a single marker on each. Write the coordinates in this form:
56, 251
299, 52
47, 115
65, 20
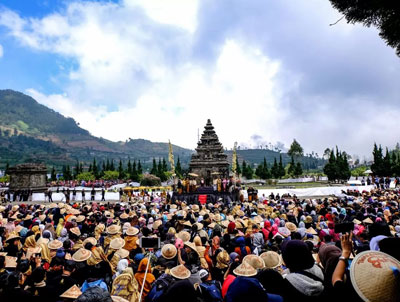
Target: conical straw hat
72, 293
384, 286
169, 251
255, 261
245, 270
81, 255
180, 272
271, 259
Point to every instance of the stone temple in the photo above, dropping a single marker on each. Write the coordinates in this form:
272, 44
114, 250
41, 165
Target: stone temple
29, 176
210, 161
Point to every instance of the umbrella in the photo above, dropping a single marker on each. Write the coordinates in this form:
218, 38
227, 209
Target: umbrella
368, 171
193, 174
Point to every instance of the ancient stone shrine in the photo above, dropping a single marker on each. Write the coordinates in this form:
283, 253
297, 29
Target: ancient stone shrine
28, 176
209, 161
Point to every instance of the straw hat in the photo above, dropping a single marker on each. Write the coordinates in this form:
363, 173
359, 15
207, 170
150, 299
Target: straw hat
199, 225
195, 208
122, 253
217, 218
72, 293
113, 229
191, 245
75, 231
28, 217
132, 231
81, 255
42, 217
123, 216
291, 226
92, 240
356, 221
11, 262
271, 259
284, 231
15, 208
55, 244
245, 270
2, 208
168, 251
118, 299
18, 228
117, 243
368, 220
42, 240
180, 272
187, 223
311, 231
185, 236
255, 261
225, 223
80, 218
32, 250
157, 224
211, 225
384, 286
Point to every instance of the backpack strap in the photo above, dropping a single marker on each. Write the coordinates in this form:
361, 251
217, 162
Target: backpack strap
311, 276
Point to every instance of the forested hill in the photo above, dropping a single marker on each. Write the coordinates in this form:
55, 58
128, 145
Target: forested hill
30, 131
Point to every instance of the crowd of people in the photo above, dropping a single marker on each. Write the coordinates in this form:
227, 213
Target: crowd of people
269, 249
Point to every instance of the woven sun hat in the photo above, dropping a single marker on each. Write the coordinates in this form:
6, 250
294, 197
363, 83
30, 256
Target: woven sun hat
117, 243
30, 251
271, 259
118, 299
195, 208
284, 231
211, 225
168, 251
81, 255
28, 217
18, 228
11, 262
291, 226
356, 221
42, 217
132, 231
72, 293
180, 272
55, 244
245, 270
191, 245
113, 229
217, 218
368, 221
80, 218
72, 217
157, 224
124, 216
187, 223
225, 223
75, 231
185, 236
122, 253
91, 240
255, 261
200, 226
375, 276
311, 231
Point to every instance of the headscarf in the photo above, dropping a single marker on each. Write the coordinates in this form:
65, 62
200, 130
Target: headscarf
122, 265
126, 286
231, 227
49, 227
130, 243
215, 244
297, 256
242, 245
329, 257
60, 226
139, 276
233, 256
30, 242
98, 230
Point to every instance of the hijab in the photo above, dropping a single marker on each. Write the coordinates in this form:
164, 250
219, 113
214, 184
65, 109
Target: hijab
139, 276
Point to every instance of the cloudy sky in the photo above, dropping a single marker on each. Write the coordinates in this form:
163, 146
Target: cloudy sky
262, 70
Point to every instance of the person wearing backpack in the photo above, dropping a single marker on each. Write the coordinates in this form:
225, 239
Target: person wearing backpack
210, 290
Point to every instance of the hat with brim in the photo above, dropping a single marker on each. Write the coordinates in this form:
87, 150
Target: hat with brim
124, 216
113, 229
11, 262
180, 272
91, 240
81, 255
72, 293
255, 261
12, 236
42, 217
28, 217
122, 253
76, 231
311, 231
245, 270
191, 245
118, 299
157, 224
132, 231
291, 227
185, 236
30, 251
225, 223
284, 231
168, 251
117, 243
356, 221
211, 225
80, 218
271, 259
385, 285
55, 244
368, 221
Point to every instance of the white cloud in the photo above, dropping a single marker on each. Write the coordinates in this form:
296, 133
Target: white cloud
1, 51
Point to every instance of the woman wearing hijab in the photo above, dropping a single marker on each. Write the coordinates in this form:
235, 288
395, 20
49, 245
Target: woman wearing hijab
126, 286
304, 280
60, 226
242, 250
329, 257
139, 276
